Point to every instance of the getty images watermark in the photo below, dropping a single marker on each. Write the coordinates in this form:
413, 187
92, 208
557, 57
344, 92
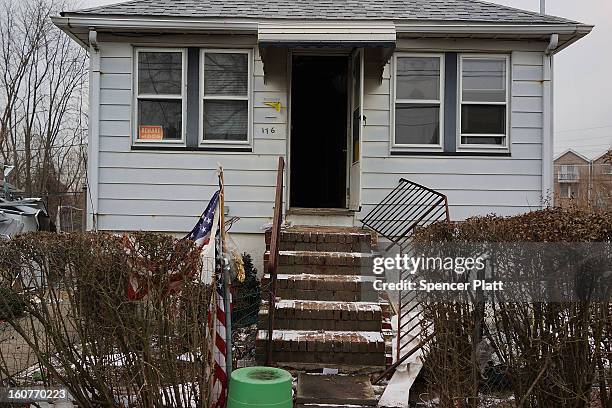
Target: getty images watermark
461, 267
512, 271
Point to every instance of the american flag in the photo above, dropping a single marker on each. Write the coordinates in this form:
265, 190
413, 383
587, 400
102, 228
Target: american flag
201, 235
208, 222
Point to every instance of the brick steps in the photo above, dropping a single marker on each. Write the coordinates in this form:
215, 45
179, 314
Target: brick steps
324, 315
324, 262
325, 347
346, 288
328, 313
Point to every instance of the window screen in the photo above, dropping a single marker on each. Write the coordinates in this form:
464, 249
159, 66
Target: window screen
484, 101
418, 95
159, 95
226, 96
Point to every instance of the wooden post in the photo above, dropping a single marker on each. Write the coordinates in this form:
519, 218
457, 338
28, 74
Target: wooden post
226, 278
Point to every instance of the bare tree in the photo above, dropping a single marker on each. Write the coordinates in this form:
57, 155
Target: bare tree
42, 98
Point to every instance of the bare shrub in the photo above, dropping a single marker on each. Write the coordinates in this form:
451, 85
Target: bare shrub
549, 353
81, 330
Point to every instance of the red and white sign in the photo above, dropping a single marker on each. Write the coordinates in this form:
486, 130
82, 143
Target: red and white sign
151, 132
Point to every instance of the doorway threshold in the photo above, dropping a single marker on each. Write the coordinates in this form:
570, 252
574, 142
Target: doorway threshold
320, 211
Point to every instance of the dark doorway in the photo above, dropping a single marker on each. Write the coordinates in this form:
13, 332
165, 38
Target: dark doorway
318, 131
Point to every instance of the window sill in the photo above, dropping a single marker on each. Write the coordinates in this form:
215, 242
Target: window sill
450, 154
240, 149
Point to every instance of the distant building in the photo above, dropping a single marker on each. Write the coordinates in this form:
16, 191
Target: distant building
583, 182
602, 180
572, 174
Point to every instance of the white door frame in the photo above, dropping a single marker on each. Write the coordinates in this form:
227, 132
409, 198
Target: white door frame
354, 181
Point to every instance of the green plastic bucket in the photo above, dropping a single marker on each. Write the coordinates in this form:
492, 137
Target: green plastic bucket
259, 387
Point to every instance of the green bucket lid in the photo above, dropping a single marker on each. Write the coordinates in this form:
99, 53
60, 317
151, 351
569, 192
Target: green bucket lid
259, 387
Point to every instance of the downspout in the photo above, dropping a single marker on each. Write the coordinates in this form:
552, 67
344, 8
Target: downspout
94, 132
548, 122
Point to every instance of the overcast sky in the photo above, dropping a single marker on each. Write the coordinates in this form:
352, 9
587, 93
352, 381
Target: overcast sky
583, 84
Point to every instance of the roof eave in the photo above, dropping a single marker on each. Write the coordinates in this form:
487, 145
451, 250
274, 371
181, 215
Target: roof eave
69, 23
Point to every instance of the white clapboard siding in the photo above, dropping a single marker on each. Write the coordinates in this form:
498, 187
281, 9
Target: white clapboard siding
192, 208
461, 212
176, 224
451, 165
167, 190
483, 197
519, 151
186, 177
187, 192
488, 182
474, 185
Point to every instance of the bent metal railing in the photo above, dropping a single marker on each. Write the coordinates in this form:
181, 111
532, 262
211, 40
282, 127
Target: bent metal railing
408, 207
273, 255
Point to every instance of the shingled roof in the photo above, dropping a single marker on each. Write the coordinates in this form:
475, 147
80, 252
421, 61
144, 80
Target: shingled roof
473, 11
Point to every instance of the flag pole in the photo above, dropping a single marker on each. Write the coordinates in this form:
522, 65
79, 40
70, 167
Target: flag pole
226, 278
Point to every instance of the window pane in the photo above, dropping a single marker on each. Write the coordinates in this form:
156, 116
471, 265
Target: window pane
226, 74
483, 119
418, 78
494, 140
155, 113
160, 73
417, 124
225, 120
565, 191
484, 80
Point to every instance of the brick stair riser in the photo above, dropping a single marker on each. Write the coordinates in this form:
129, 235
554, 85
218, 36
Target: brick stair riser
308, 357
321, 284
314, 258
321, 289
314, 241
325, 352
323, 246
325, 263
324, 270
284, 323
319, 294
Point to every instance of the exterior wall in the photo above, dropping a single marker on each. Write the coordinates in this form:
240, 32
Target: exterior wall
474, 185
166, 191
580, 182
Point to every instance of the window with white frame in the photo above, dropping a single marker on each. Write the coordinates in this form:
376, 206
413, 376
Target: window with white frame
225, 93
419, 92
160, 78
569, 190
483, 101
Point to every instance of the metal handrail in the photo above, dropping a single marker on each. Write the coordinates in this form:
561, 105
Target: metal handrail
273, 256
408, 207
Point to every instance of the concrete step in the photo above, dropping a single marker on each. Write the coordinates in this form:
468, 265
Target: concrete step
329, 348
334, 391
344, 288
324, 262
319, 238
324, 315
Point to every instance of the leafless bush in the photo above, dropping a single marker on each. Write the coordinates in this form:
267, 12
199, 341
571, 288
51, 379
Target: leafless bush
80, 329
548, 353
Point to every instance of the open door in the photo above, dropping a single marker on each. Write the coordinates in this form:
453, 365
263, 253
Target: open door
357, 122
